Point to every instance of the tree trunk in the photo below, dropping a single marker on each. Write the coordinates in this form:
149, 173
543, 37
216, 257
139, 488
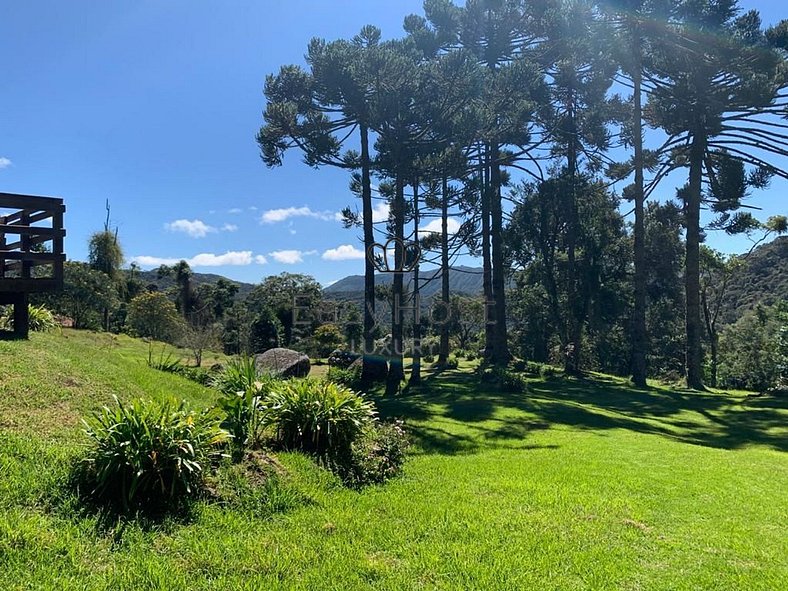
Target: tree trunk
489, 319
575, 328
396, 370
369, 267
443, 354
694, 352
500, 355
639, 332
415, 370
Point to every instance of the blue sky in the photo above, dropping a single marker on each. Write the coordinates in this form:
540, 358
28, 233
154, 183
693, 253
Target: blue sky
154, 105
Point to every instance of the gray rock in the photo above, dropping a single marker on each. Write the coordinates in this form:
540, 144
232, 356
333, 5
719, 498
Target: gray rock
377, 367
285, 363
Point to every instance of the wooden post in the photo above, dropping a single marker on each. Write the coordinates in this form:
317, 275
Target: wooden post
21, 316
2, 248
57, 245
25, 240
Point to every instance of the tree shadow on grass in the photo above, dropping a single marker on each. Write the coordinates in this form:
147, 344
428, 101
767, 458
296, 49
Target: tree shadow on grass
454, 413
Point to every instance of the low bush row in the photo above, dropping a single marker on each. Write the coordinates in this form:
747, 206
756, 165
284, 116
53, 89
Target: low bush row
147, 455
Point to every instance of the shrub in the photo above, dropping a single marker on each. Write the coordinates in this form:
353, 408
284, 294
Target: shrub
376, 456
350, 377
243, 415
316, 416
40, 319
152, 314
504, 379
148, 455
452, 362
327, 337
239, 375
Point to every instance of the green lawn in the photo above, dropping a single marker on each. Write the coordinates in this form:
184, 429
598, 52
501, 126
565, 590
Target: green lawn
572, 485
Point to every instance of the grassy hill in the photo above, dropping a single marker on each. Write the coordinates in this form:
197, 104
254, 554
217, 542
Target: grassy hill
575, 484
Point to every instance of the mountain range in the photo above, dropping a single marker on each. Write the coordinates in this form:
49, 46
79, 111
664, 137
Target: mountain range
763, 279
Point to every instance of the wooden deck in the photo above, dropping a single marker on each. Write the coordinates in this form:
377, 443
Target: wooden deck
31, 251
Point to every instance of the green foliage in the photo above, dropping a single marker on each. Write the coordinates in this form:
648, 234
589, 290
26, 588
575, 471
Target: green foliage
374, 457
243, 411
40, 319
504, 380
327, 337
265, 331
86, 294
291, 297
153, 315
317, 416
105, 254
452, 362
239, 375
148, 455
750, 351
346, 376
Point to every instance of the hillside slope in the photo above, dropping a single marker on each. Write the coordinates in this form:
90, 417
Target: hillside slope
764, 279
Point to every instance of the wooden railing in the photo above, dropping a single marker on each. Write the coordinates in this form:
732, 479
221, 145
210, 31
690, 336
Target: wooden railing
31, 243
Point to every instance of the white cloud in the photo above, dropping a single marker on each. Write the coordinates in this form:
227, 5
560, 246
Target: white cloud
4, 162
235, 210
290, 257
452, 226
260, 259
229, 228
234, 258
206, 259
380, 212
273, 216
345, 252
194, 228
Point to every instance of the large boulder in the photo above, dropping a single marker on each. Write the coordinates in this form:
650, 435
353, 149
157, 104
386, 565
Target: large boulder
285, 363
377, 368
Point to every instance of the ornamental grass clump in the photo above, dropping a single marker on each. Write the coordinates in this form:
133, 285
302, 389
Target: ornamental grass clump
239, 375
146, 455
317, 417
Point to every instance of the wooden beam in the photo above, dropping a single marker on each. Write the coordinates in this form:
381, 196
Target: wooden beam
33, 256
31, 230
34, 202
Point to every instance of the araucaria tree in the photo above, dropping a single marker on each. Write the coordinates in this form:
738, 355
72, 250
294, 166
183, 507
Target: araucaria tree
719, 87
507, 113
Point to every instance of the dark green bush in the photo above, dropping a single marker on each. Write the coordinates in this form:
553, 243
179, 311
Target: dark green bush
376, 456
148, 455
452, 362
316, 416
350, 377
504, 379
